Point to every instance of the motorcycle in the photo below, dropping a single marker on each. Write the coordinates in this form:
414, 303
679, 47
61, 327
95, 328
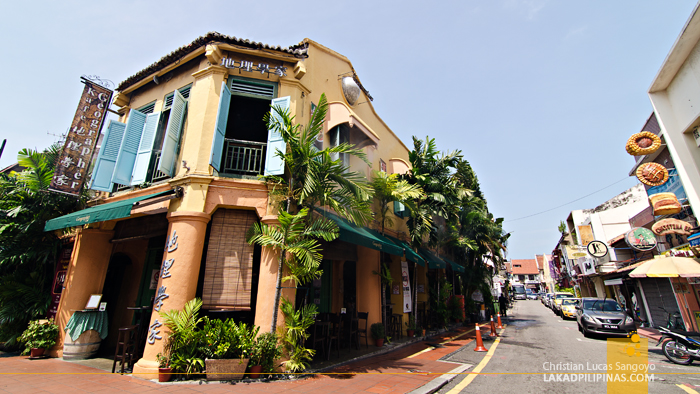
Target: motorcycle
680, 347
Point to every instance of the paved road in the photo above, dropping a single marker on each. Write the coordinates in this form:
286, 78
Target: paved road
535, 339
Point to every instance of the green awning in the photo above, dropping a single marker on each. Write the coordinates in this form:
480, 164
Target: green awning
455, 266
433, 261
410, 254
99, 213
350, 233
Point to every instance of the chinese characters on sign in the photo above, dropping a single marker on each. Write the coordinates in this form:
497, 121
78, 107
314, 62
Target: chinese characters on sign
161, 295
247, 65
75, 157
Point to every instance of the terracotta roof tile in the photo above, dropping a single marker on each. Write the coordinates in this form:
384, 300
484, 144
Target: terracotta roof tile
525, 267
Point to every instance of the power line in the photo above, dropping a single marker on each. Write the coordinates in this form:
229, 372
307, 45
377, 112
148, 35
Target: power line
557, 207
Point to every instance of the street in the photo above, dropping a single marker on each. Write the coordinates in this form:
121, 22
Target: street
535, 338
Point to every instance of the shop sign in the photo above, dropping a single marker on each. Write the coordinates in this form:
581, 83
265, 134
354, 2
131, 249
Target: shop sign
161, 295
597, 249
680, 288
250, 66
671, 226
406, 282
641, 239
694, 281
59, 278
76, 155
673, 185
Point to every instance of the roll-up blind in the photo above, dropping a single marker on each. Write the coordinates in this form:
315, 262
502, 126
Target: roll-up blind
228, 274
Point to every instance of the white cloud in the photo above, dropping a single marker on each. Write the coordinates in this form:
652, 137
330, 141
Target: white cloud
530, 7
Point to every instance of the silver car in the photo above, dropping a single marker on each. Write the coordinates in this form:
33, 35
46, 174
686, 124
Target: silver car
603, 316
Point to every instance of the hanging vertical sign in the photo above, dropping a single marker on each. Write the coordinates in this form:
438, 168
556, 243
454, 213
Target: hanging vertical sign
406, 288
75, 157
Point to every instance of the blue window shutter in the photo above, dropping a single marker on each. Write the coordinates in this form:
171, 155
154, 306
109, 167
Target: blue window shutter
106, 159
143, 156
217, 144
129, 148
399, 209
168, 152
274, 165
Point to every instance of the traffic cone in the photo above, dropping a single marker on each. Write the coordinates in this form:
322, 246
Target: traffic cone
479, 342
493, 328
499, 326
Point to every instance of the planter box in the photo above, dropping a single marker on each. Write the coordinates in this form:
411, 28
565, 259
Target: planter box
226, 369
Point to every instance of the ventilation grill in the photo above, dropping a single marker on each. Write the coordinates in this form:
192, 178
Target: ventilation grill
148, 109
267, 91
185, 92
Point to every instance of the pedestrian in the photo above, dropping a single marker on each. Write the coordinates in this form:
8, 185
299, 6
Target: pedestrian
503, 303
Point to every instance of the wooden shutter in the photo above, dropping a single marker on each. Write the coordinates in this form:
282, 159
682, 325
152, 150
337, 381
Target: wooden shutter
143, 156
107, 158
217, 144
129, 148
274, 165
228, 274
168, 152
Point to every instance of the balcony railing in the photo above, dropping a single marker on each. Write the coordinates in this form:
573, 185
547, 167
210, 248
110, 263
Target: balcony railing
157, 175
243, 157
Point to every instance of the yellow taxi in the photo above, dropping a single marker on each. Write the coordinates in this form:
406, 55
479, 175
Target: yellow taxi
568, 307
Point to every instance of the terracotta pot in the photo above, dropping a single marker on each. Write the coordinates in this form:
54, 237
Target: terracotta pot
164, 374
379, 342
410, 333
254, 372
35, 353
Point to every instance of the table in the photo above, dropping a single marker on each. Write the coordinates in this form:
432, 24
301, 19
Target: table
82, 321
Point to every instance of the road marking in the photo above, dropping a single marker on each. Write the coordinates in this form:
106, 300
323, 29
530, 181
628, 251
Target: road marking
687, 389
442, 343
472, 375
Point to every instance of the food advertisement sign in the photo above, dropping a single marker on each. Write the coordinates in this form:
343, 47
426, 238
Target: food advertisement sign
73, 163
641, 239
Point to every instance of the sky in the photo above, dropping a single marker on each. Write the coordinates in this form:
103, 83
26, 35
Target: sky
539, 96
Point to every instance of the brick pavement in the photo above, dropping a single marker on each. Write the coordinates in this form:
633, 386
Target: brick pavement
400, 371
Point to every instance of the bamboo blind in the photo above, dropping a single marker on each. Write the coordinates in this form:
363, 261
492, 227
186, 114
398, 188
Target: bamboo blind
229, 266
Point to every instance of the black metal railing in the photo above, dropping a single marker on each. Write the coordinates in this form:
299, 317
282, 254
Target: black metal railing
243, 157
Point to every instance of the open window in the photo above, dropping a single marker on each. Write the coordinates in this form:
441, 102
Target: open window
130, 156
242, 144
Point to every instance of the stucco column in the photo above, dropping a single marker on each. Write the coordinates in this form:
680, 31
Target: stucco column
368, 285
85, 276
267, 285
177, 283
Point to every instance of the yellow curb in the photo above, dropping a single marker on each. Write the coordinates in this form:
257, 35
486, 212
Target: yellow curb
687, 389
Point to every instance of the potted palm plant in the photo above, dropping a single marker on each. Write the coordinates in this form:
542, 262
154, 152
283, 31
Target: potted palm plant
378, 333
164, 370
265, 351
411, 326
39, 336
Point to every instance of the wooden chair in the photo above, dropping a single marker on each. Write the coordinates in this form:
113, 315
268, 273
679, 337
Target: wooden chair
127, 342
334, 335
362, 330
320, 335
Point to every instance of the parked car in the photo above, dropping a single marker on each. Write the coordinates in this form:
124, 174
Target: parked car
519, 292
568, 308
531, 295
545, 300
603, 316
556, 301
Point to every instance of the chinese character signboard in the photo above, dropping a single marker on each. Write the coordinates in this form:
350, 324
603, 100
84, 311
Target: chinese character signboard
73, 163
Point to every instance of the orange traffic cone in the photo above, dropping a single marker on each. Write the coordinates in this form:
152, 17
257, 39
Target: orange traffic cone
479, 342
493, 328
499, 326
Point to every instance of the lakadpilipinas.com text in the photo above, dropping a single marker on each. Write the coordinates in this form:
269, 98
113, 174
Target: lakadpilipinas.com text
589, 372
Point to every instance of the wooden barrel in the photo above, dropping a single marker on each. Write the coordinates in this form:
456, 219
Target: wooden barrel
84, 347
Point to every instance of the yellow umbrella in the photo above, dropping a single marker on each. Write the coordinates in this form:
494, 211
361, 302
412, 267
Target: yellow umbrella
668, 267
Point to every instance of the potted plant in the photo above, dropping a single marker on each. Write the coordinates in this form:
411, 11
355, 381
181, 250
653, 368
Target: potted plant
411, 326
265, 351
164, 370
39, 336
227, 347
378, 333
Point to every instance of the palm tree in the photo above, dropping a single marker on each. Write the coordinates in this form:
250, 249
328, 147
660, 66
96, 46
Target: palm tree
295, 239
27, 253
315, 178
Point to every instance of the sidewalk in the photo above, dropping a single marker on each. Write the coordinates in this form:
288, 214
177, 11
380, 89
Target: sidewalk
403, 370
650, 333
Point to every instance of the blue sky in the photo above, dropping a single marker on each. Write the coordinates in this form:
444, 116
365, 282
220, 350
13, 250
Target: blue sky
540, 96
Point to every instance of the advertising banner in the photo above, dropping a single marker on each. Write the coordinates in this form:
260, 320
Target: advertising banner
407, 304
74, 160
